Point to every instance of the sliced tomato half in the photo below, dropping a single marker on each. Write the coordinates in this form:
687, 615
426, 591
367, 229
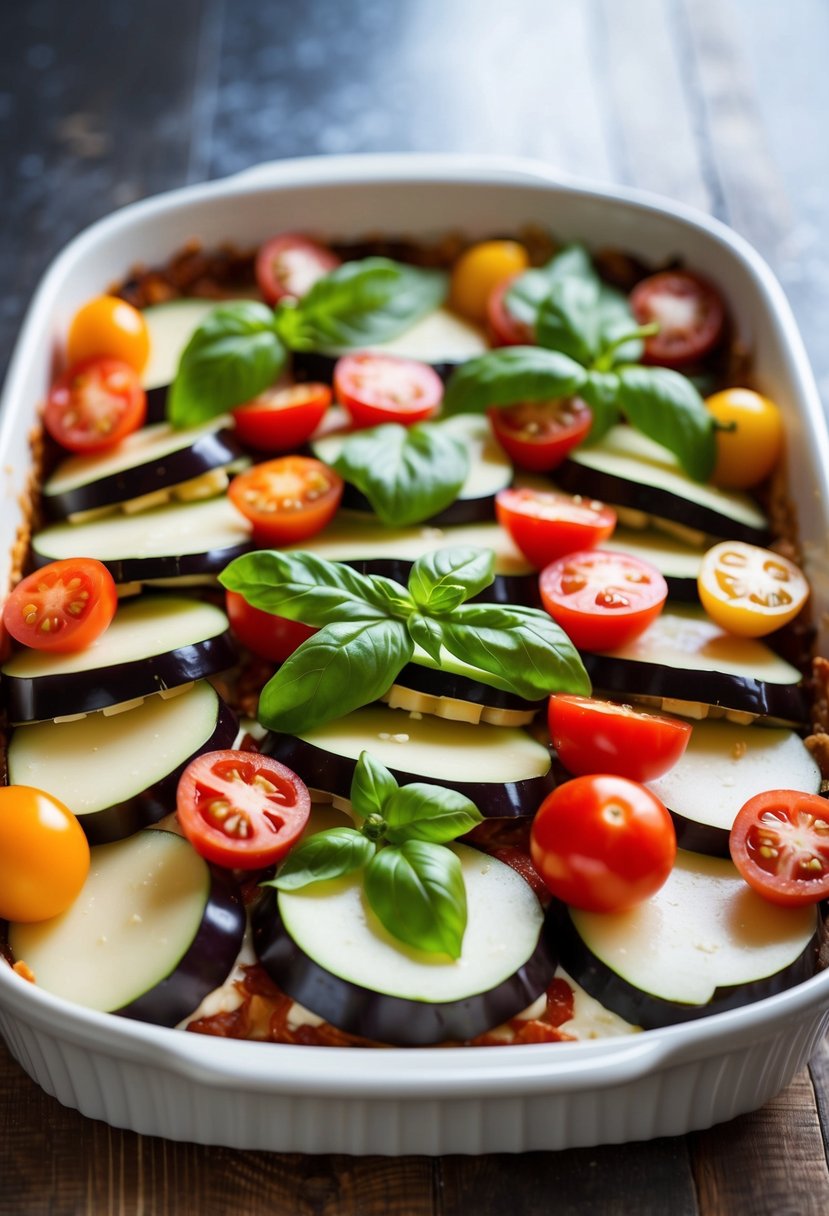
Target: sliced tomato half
503, 328
689, 312
602, 600
538, 435
749, 590
386, 388
547, 524
593, 736
287, 499
94, 405
267, 635
780, 844
64, 606
290, 264
281, 419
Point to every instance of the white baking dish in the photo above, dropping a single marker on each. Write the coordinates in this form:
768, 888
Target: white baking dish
434, 1101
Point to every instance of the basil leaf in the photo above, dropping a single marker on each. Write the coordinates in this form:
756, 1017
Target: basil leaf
408, 474
600, 390
325, 855
615, 320
666, 407
445, 598
232, 357
418, 894
428, 812
371, 785
361, 302
426, 633
519, 649
568, 319
466, 566
510, 375
529, 290
307, 588
341, 668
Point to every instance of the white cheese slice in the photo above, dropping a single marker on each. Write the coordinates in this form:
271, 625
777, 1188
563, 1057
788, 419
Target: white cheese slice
439, 337
671, 556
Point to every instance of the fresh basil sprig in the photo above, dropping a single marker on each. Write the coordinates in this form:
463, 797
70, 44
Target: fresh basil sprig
369, 626
412, 882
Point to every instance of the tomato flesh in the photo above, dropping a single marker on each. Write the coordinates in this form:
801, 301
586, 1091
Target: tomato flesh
780, 844
287, 499
44, 855
281, 419
690, 314
502, 327
548, 524
537, 435
290, 264
240, 809
385, 388
94, 405
108, 326
269, 636
602, 600
603, 843
592, 736
62, 607
748, 590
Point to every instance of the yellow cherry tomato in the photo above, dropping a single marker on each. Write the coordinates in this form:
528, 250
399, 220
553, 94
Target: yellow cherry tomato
479, 271
748, 590
749, 451
44, 855
108, 326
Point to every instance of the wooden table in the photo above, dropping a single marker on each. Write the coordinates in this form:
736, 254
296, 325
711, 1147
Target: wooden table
721, 103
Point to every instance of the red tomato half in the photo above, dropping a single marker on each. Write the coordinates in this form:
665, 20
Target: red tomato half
386, 388
504, 329
290, 264
281, 419
546, 524
62, 607
94, 405
603, 843
538, 435
592, 736
690, 314
287, 499
271, 637
602, 600
241, 809
780, 844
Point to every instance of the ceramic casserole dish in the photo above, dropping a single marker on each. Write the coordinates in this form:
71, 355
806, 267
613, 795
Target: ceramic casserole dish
436, 1100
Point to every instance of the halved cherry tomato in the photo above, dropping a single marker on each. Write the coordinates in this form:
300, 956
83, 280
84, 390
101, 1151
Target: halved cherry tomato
503, 328
95, 405
538, 435
479, 270
602, 600
690, 314
747, 452
64, 606
108, 327
780, 844
748, 590
546, 524
385, 388
271, 637
44, 855
241, 809
281, 419
592, 736
290, 264
287, 499
603, 843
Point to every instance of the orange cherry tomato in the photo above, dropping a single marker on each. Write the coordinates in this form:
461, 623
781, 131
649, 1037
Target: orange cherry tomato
287, 499
751, 446
479, 270
64, 606
107, 326
44, 855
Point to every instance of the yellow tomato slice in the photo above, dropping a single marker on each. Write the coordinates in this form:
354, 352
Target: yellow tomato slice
748, 590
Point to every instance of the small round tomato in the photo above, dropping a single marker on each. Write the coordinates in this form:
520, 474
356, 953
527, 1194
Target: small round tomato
64, 606
479, 270
537, 435
547, 524
44, 855
281, 419
95, 405
690, 314
107, 326
748, 590
780, 844
290, 264
592, 736
386, 388
602, 600
502, 327
750, 440
603, 843
287, 499
271, 637
241, 809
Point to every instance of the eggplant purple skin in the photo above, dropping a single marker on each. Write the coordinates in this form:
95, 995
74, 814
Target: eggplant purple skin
644, 1009
166, 566
323, 770
213, 450
392, 1019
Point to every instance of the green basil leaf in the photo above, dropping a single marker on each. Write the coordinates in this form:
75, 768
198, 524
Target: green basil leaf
307, 588
417, 892
568, 319
426, 633
325, 855
600, 390
408, 474
343, 667
510, 375
371, 786
529, 290
428, 812
232, 357
445, 598
666, 407
615, 320
361, 302
466, 566
519, 649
